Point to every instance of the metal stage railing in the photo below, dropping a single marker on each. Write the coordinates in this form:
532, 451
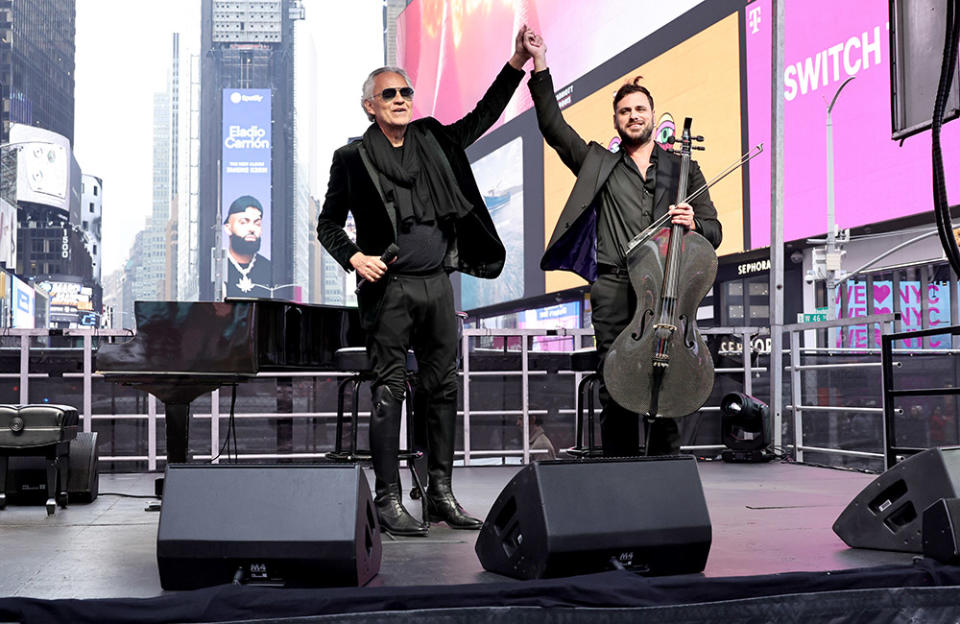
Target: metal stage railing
892, 451
884, 393
89, 338
796, 370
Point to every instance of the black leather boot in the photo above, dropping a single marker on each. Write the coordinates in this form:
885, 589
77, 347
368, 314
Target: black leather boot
384, 446
441, 504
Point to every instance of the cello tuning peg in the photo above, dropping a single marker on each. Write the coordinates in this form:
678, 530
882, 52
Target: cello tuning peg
698, 147
698, 138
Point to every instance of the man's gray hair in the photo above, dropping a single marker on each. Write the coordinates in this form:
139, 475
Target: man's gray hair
368, 83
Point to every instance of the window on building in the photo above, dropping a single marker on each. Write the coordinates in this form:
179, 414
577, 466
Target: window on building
91, 207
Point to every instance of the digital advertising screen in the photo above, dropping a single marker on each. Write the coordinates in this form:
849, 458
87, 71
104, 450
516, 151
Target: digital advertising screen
566, 315
698, 78
499, 177
68, 302
43, 166
8, 235
22, 302
246, 191
453, 49
875, 178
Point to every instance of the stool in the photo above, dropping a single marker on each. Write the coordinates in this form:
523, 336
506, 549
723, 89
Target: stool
38, 430
585, 361
356, 359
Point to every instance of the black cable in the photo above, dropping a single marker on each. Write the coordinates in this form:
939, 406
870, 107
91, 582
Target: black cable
940, 203
231, 431
233, 423
122, 495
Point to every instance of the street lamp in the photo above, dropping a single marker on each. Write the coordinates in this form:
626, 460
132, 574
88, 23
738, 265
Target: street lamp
834, 273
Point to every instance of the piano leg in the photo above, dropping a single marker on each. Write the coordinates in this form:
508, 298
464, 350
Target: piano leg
3, 480
178, 432
53, 469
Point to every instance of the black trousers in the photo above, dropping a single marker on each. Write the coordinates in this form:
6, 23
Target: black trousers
417, 312
613, 303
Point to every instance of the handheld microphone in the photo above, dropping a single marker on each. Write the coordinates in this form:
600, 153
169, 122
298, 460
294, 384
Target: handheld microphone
388, 256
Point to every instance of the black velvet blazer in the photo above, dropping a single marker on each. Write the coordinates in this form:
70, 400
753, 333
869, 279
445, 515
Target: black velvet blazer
475, 248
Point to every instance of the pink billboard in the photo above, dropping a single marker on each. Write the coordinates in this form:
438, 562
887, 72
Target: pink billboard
452, 49
875, 178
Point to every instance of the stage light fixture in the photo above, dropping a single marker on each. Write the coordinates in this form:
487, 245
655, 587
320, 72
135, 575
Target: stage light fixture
742, 428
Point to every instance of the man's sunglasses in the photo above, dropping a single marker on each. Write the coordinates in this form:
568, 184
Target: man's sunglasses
391, 92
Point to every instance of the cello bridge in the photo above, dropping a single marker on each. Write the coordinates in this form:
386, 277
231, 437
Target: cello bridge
667, 326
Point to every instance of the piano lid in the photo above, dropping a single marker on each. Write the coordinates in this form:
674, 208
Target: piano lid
185, 337
233, 338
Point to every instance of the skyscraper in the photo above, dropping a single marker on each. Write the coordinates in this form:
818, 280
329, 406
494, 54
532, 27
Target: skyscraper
37, 47
246, 140
155, 238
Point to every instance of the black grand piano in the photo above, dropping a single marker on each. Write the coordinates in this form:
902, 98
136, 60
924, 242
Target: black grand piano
185, 349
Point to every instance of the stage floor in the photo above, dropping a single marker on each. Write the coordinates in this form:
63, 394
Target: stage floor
767, 518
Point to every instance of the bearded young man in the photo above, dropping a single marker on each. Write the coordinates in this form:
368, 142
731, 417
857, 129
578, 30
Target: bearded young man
248, 271
409, 183
617, 195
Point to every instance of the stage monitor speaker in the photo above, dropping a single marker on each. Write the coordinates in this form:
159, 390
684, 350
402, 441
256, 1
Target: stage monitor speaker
941, 529
27, 476
886, 515
563, 518
292, 525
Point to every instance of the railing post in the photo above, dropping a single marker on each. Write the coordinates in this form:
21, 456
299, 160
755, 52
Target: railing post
24, 368
747, 363
151, 432
796, 393
525, 381
465, 353
87, 382
889, 431
215, 425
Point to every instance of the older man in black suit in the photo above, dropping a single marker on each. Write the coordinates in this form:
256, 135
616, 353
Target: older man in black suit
409, 182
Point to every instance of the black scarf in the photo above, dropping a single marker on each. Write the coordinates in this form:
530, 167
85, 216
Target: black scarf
426, 189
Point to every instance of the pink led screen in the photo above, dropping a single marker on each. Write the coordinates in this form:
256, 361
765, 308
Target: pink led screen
875, 178
452, 49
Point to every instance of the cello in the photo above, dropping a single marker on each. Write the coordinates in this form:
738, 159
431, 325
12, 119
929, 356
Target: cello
659, 365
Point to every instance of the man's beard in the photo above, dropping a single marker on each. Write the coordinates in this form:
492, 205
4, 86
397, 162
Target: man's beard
628, 141
244, 247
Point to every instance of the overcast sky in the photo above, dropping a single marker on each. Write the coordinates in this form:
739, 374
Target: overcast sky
123, 58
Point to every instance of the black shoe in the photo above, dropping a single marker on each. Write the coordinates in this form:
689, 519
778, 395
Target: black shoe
395, 519
443, 507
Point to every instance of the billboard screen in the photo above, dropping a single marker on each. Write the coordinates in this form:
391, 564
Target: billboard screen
499, 177
826, 42
69, 302
246, 191
698, 78
452, 50
8, 235
22, 300
43, 166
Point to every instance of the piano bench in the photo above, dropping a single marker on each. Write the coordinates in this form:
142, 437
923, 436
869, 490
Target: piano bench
585, 361
356, 359
42, 430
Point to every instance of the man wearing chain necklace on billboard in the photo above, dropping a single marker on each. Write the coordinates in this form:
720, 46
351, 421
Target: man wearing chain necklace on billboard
248, 272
